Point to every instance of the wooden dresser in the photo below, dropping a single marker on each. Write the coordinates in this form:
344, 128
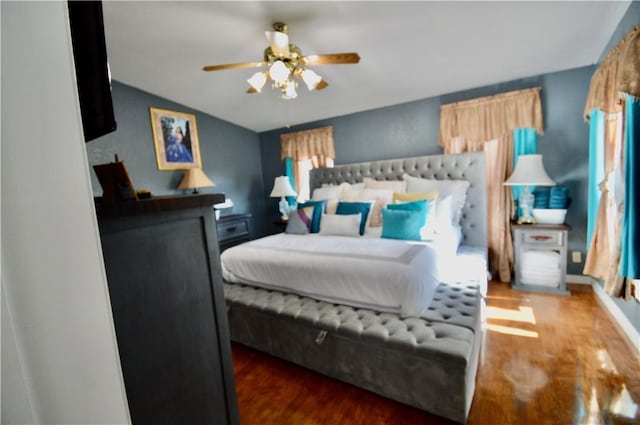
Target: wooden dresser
163, 271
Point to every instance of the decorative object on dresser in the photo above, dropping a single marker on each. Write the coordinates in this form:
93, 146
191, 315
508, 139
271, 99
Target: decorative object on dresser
226, 205
233, 229
529, 171
281, 189
165, 288
541, 257
175, 137
194, 178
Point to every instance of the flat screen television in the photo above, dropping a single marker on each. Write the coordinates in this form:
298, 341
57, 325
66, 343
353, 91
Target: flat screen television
92, 69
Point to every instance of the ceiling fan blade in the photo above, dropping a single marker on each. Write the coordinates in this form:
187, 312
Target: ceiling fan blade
233, 66
331, 58
251, 90
321, 85
279, 42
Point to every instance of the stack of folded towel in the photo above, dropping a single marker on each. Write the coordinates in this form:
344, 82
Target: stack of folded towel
540, 268
541, 198
559, 198
556, 198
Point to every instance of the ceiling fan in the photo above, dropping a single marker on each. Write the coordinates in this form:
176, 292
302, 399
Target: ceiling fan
285, 63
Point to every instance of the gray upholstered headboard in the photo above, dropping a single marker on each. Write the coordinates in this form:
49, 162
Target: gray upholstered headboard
466, 166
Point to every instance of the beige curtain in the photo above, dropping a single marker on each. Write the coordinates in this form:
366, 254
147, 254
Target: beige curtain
308, 149
487, 124
619, 73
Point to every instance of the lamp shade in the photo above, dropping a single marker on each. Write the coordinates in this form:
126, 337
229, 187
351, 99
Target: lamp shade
195, 178
529, 172
282, 187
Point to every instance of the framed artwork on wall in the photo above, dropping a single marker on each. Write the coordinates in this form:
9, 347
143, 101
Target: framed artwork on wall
175, 137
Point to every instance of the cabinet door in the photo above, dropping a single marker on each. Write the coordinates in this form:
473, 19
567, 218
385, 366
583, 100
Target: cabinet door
172, 337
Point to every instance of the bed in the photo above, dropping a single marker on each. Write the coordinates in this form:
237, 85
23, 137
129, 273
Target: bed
417, 342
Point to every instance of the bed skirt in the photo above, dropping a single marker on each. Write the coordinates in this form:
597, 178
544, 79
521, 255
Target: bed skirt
429, 362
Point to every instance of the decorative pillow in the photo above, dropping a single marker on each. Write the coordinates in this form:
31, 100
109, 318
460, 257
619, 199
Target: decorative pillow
456, 188
422, 207
319, 207
431, 197
363, 208
331, 194
300, 221
326, 192
340, 224
415, 196
346, 186
444, 214
381, 197
402, 224
395, 185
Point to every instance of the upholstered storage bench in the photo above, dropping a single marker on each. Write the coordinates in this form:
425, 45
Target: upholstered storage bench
429, 362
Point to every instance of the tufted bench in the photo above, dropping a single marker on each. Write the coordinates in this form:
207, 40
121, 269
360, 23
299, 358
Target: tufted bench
427, 362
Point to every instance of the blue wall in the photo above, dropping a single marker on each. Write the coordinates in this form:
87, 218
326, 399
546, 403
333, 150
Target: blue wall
230, 153
412, 129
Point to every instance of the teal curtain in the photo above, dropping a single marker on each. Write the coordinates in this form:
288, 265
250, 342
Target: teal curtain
525, 142
629, 256
596, 169
288, 171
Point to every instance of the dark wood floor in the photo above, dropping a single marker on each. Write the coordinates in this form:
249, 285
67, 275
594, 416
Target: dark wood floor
546, 359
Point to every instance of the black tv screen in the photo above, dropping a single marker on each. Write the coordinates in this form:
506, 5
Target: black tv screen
92, 71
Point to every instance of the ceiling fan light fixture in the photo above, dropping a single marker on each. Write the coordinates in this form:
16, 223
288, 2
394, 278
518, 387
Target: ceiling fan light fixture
289, 90
279, 72
258, 80
310, 78
279, 42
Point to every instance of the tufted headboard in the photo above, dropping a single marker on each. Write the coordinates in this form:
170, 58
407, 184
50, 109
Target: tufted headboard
465, 166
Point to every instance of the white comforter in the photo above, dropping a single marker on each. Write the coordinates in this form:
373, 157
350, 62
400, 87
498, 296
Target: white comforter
381, 274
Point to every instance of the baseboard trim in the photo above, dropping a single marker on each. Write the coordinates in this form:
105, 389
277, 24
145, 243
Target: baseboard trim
621, 320
580, 279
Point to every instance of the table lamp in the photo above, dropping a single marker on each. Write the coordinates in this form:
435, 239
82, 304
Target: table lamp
529, 171
282, 188
193, 179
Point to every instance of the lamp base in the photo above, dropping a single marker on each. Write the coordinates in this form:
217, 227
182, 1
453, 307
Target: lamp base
284, 209
526, 220
525, 201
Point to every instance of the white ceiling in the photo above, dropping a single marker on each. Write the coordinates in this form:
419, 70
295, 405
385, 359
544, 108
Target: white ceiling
409, 50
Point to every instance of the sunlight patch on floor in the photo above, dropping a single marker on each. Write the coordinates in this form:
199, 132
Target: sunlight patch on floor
523, 314
512, 331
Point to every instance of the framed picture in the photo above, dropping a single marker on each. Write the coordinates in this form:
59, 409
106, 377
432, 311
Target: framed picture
175, 137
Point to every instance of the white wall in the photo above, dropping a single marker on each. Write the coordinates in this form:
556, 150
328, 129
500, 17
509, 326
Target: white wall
60, 362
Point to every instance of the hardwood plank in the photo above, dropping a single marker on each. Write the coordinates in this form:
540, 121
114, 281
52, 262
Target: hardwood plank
546, 359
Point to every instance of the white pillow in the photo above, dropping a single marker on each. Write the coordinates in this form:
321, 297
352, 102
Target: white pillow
380, 197
330, 193
456, 188
394, 185
340, 225
326, 192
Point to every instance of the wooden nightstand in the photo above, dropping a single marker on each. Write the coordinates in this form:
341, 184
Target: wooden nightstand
233, 229
540, 257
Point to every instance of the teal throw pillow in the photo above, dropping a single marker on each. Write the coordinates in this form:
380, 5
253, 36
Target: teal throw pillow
402, 224
318, 210
349, 208
422, 206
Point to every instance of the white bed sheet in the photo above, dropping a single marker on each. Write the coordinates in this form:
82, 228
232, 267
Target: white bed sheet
381, 274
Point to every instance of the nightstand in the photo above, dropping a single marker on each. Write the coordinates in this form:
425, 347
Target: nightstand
280, 224
233, 229
540, 257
